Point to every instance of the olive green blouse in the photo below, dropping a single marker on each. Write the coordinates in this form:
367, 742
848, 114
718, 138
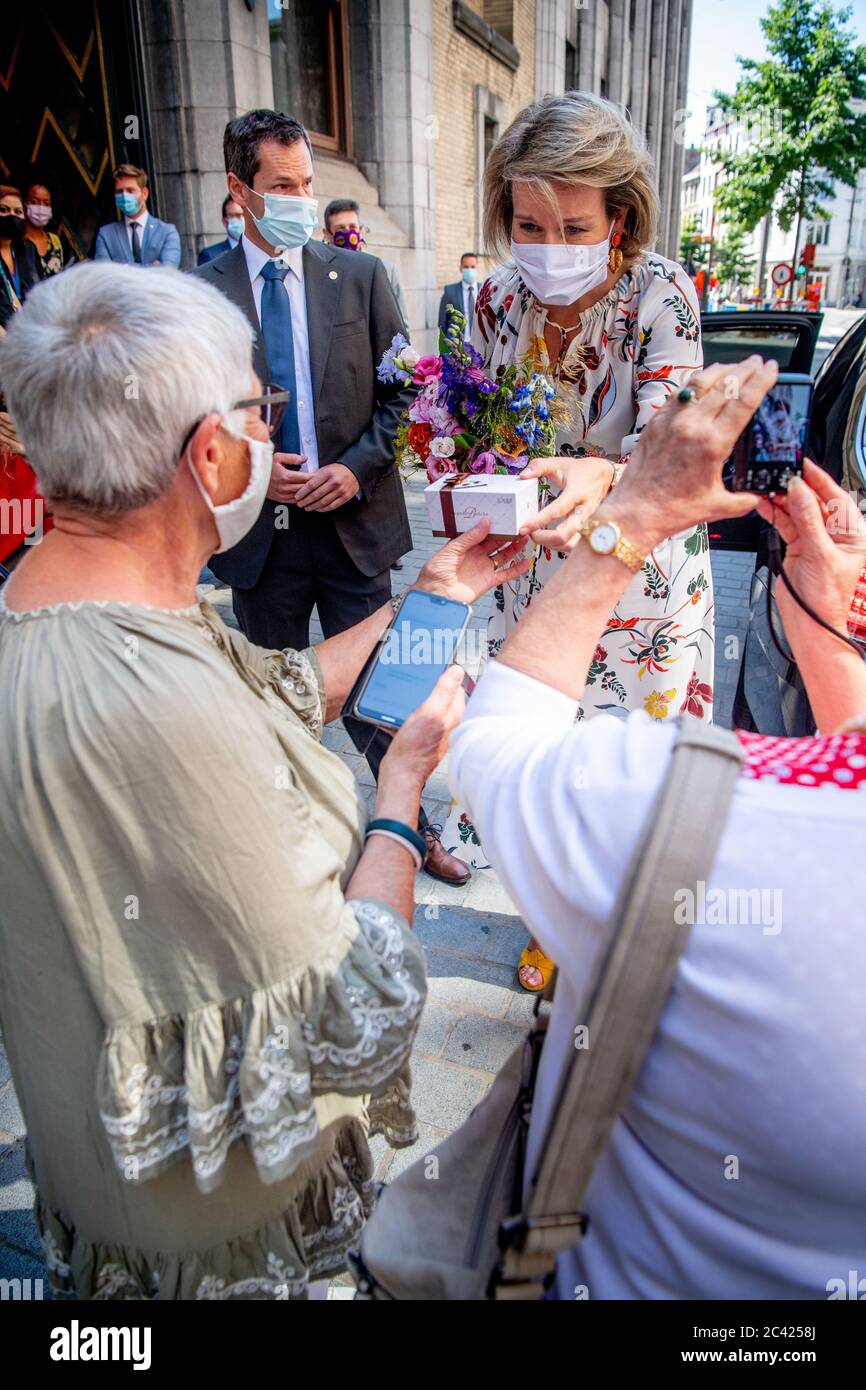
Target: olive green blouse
194, 1015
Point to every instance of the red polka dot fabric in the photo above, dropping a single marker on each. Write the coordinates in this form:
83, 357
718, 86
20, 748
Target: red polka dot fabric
837, 760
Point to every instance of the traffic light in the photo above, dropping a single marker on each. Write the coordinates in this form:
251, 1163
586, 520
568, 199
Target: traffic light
801, 269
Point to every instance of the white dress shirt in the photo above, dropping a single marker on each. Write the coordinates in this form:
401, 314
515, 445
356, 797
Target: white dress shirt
294, 288
141, 222
736, 1169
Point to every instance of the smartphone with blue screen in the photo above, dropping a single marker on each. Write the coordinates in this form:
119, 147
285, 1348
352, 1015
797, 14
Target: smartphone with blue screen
420, 644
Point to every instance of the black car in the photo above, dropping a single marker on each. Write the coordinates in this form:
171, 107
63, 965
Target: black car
788, 338
770, 696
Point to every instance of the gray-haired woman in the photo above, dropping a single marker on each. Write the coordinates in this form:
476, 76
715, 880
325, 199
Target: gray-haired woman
205, 971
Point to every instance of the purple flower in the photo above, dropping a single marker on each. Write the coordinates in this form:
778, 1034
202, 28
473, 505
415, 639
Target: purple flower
388, 369
515, 465
484, 463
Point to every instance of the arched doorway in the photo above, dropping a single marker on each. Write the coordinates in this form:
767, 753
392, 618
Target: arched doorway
72, 107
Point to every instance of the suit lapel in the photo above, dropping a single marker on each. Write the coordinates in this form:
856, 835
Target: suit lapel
322, 294
148, 235
122, 236
235, 284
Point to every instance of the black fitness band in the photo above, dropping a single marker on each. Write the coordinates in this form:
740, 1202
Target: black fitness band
397, 829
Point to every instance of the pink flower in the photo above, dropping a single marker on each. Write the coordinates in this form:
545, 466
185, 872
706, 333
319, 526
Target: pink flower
484, 463
426, 410
439, 468
427, 369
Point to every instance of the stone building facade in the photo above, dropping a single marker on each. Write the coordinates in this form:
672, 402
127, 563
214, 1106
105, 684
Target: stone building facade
403, 99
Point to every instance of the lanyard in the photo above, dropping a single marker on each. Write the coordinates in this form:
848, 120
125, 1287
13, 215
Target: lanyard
14, 277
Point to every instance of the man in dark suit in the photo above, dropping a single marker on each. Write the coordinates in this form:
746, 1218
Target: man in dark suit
335, 517
137, 238
233, 221
462, 294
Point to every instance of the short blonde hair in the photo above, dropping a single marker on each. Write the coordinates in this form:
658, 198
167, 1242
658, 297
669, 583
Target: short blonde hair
573, 138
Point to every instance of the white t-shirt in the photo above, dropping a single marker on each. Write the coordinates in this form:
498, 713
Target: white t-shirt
737, 1168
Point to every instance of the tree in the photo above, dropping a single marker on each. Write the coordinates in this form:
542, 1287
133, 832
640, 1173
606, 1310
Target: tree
735, 262
693, 250
800, 100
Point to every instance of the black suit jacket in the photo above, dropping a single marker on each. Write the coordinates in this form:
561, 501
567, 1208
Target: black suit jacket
352, 316
28, 276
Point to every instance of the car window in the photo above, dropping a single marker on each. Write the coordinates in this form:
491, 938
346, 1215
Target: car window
732, 345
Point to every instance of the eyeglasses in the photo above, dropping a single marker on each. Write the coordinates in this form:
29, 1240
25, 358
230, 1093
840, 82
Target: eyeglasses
271, 403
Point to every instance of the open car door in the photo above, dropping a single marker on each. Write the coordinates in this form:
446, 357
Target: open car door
788, 337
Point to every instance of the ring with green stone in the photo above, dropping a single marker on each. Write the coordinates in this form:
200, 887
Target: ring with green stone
685, 395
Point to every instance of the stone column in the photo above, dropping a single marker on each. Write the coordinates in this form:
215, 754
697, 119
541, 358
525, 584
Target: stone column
395, 127
670, 148
205, 62
618, 74
678, 134
551, 31
640, 65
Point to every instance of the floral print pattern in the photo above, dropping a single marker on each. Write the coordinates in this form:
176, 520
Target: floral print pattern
636, 346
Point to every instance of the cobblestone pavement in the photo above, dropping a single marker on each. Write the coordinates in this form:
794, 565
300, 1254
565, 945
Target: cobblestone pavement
472, 937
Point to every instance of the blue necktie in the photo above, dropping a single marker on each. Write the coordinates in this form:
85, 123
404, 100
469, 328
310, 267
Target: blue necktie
280, 349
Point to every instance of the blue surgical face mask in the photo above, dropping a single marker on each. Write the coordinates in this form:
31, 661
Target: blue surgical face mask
129, 205
235, 227
287, 220
469, 274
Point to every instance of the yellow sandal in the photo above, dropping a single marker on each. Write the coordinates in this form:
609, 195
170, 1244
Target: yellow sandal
540, 962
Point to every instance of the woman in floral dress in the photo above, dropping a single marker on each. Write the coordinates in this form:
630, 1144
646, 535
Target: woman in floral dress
617, 329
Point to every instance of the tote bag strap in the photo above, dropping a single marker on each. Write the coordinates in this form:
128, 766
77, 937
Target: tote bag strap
642, 946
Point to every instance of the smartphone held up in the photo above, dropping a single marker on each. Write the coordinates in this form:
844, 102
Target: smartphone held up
419, 645
770, 449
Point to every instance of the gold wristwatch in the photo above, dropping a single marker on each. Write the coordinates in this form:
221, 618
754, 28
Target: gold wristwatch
605, 538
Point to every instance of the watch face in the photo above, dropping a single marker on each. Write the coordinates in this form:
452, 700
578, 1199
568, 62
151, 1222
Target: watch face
604, 538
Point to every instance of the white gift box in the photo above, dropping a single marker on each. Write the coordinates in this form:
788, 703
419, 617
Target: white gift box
457, 507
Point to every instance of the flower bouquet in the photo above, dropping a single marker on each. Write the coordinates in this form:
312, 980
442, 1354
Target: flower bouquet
469, 431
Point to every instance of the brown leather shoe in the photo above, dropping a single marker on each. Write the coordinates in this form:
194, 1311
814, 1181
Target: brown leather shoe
442, 865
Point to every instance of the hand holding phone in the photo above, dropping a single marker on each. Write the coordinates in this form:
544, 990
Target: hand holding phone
419, 645
419, 746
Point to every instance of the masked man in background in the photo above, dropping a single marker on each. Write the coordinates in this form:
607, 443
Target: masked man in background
334, 519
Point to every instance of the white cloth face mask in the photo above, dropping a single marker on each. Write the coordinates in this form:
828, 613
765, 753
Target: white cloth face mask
236, 518
561, 274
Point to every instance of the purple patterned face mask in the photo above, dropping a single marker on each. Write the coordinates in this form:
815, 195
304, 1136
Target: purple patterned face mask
348, 238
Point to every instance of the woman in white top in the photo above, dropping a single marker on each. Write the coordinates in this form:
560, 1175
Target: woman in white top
736, 1168
570, 201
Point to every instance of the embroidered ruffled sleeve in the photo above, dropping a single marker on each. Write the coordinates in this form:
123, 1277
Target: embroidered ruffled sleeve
293, 677
249, 1069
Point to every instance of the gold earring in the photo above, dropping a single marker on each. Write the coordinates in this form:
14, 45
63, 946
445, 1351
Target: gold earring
614, 260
